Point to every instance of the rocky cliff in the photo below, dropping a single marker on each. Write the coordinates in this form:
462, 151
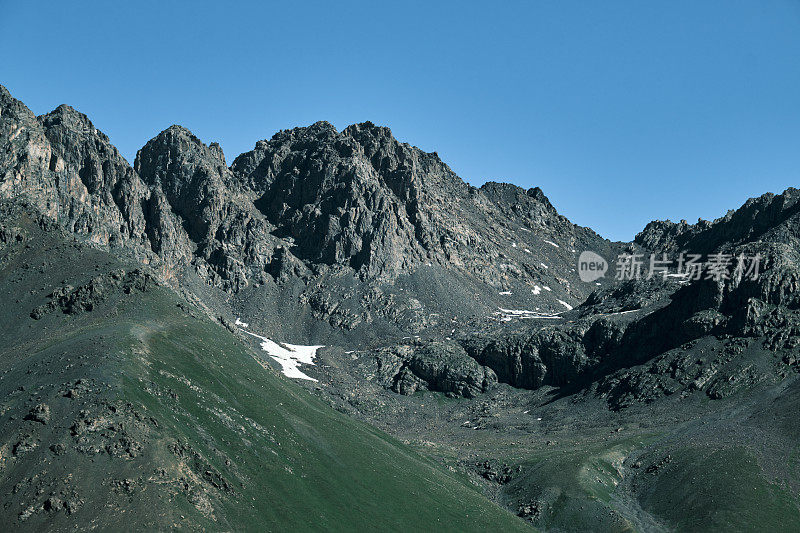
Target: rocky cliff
68, 170
308, 205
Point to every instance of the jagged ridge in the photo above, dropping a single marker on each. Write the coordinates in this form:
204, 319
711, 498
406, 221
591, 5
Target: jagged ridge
307, 204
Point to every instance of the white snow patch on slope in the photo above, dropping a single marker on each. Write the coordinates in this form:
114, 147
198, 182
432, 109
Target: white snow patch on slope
505, 293
536, 290
547, 288
545, 266
565, 304
240, 323
508, 314
551, 243
289, 356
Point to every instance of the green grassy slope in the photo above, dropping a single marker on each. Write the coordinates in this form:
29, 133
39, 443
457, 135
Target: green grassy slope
731, 469
158, 417
704, 487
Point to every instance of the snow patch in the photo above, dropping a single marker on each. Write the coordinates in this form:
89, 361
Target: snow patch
681, 278
289, 356
508, 314
545, 266
551, 243
241, 324
536, 290
505, 293
565, 304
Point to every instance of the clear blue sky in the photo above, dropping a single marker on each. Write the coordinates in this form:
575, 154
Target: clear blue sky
621, 112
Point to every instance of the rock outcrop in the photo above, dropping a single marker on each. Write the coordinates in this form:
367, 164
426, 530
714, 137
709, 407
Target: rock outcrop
68, 170
232, 242
769, 218
437, 366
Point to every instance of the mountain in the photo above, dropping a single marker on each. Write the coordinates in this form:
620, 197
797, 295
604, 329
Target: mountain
441, 357
311, 203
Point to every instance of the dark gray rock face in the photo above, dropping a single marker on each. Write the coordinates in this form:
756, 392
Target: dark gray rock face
437, 366
642, 322
769, 218
446, 367
233, 244
80, 151
361, 198
628, 295
357, 197
67, 169
718, 336
71, 301
39, 413
547, 356
24, 152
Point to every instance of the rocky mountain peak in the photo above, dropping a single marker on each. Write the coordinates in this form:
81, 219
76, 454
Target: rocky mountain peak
13, 109
356, 197
181, 163
84, 150
768, 216
69, 116
232, 238
519, 199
